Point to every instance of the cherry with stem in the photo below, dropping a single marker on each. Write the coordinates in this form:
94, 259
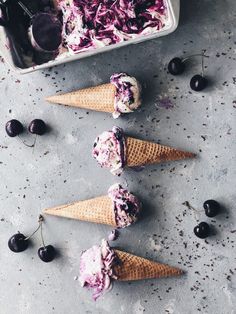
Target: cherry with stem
40, 221
19, 242
176, 65
46, 253
15, 128
199, 82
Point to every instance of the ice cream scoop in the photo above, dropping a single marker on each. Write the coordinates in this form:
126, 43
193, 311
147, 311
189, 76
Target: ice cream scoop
101, 265
128, 93
45, 32
109, 150
114, 150
121, 95
120, 208
96, 268
126, 206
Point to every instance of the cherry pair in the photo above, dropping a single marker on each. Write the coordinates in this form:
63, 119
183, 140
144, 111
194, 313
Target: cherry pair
19, 243
212, 208
176, 66
15, 127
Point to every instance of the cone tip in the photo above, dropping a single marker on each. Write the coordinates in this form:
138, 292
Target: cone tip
46, 211
180, 271
50, 99
191, 155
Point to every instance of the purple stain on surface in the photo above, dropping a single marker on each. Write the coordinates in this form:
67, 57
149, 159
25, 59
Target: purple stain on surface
114, 235
165, 103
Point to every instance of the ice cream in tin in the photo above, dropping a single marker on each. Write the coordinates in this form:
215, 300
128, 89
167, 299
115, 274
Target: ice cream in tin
84, 25
94, 24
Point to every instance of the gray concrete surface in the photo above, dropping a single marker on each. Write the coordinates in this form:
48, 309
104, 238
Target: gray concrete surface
60, 169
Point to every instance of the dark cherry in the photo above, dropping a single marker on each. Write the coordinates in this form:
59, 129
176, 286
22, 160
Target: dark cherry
202, 230
212, 208
47, 253
198, 83
176, 66
37, 126
17, 243
13, 128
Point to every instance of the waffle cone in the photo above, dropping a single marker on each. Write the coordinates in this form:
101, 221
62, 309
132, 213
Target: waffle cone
98, 210
140, 153
98, 98
133, 267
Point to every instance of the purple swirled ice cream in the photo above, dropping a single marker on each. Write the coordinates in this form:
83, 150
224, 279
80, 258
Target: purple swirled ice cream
126, 206
99, 23
96, 268
128, 93
108, 150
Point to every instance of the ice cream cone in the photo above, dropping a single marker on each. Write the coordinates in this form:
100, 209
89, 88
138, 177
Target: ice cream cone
98, 98
133, 267
98, 210
140, 153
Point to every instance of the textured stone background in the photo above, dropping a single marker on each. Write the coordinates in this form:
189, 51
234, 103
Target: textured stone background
60, 169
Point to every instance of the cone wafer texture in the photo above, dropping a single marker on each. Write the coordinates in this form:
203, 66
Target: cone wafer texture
98, 98
136, 268
98, 210
139, 152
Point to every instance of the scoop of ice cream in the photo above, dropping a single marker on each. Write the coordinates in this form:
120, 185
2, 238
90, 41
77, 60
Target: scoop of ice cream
126, 206
96, 268
128, 93
108, 150
45, 32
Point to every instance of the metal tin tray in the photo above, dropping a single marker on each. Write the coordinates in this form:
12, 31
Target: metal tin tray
173, 8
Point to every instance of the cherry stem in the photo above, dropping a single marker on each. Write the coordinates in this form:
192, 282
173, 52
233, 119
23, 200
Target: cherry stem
41, 233
202, 63
26, 10
34, 143
26, 143
40, 221
189, 206
196, 55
